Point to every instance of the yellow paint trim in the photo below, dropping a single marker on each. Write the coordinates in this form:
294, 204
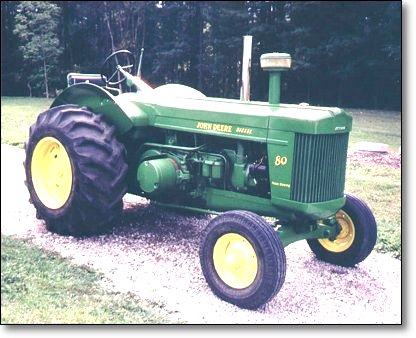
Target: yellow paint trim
280, 161
51, 172
280, 184
235, 260
345, 238
223, 128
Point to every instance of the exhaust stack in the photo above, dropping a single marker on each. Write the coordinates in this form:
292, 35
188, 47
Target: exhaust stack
245, 72
275, 63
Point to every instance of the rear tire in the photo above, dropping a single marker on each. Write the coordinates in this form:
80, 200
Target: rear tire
356, 239
243, 259
75, 170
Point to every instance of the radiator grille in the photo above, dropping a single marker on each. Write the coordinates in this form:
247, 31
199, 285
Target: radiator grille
318, 172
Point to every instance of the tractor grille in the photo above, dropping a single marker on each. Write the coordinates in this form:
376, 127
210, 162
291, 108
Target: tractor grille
318, 172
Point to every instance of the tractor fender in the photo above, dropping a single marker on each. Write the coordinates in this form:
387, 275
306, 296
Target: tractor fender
122, 113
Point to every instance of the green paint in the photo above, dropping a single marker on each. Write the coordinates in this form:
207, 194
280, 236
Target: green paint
275, 63
221, 200
274, 88
185, 207
119, 112
212, 180
248, 120
155, 176
288, 234
280, 155
319, 210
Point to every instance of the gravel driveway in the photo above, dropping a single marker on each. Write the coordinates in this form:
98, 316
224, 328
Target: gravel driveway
153, 253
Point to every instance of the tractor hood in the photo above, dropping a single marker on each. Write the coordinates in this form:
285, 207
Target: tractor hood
193, 112
235, 118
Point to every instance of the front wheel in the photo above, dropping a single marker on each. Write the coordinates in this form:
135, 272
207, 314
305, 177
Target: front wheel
356, 239
243, 259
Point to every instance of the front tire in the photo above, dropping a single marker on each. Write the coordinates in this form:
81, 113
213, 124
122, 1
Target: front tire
242, 259
356, 239
75, 170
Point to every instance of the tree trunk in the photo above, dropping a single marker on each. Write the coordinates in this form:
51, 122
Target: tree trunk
340, 92
136, 32
143, 21
46, 78
113, 47
107, 19
198, 50
200, 54
30, 88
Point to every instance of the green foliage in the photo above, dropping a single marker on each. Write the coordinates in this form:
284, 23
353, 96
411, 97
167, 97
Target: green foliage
37, 29
341, 46
40, 288
344, 53
36, 24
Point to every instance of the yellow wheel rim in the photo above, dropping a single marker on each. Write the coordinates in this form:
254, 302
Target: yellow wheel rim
346, 236
235, 260
51, 172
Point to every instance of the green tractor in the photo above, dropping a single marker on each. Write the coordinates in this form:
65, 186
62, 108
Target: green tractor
239, 159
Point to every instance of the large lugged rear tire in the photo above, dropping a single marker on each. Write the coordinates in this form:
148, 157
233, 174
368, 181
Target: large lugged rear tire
75, 170
243, 259
356, 240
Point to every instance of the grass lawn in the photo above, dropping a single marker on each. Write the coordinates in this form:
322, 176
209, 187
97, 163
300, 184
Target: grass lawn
376, 126
378, 186
39, 288
17, 115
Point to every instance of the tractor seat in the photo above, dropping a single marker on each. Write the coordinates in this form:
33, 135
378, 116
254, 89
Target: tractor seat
74, 78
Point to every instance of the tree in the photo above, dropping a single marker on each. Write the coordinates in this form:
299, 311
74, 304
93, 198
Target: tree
343, 53
11, 57
37, 30
225, 24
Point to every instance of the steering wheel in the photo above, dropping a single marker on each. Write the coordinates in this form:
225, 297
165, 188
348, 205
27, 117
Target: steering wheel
122, 58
